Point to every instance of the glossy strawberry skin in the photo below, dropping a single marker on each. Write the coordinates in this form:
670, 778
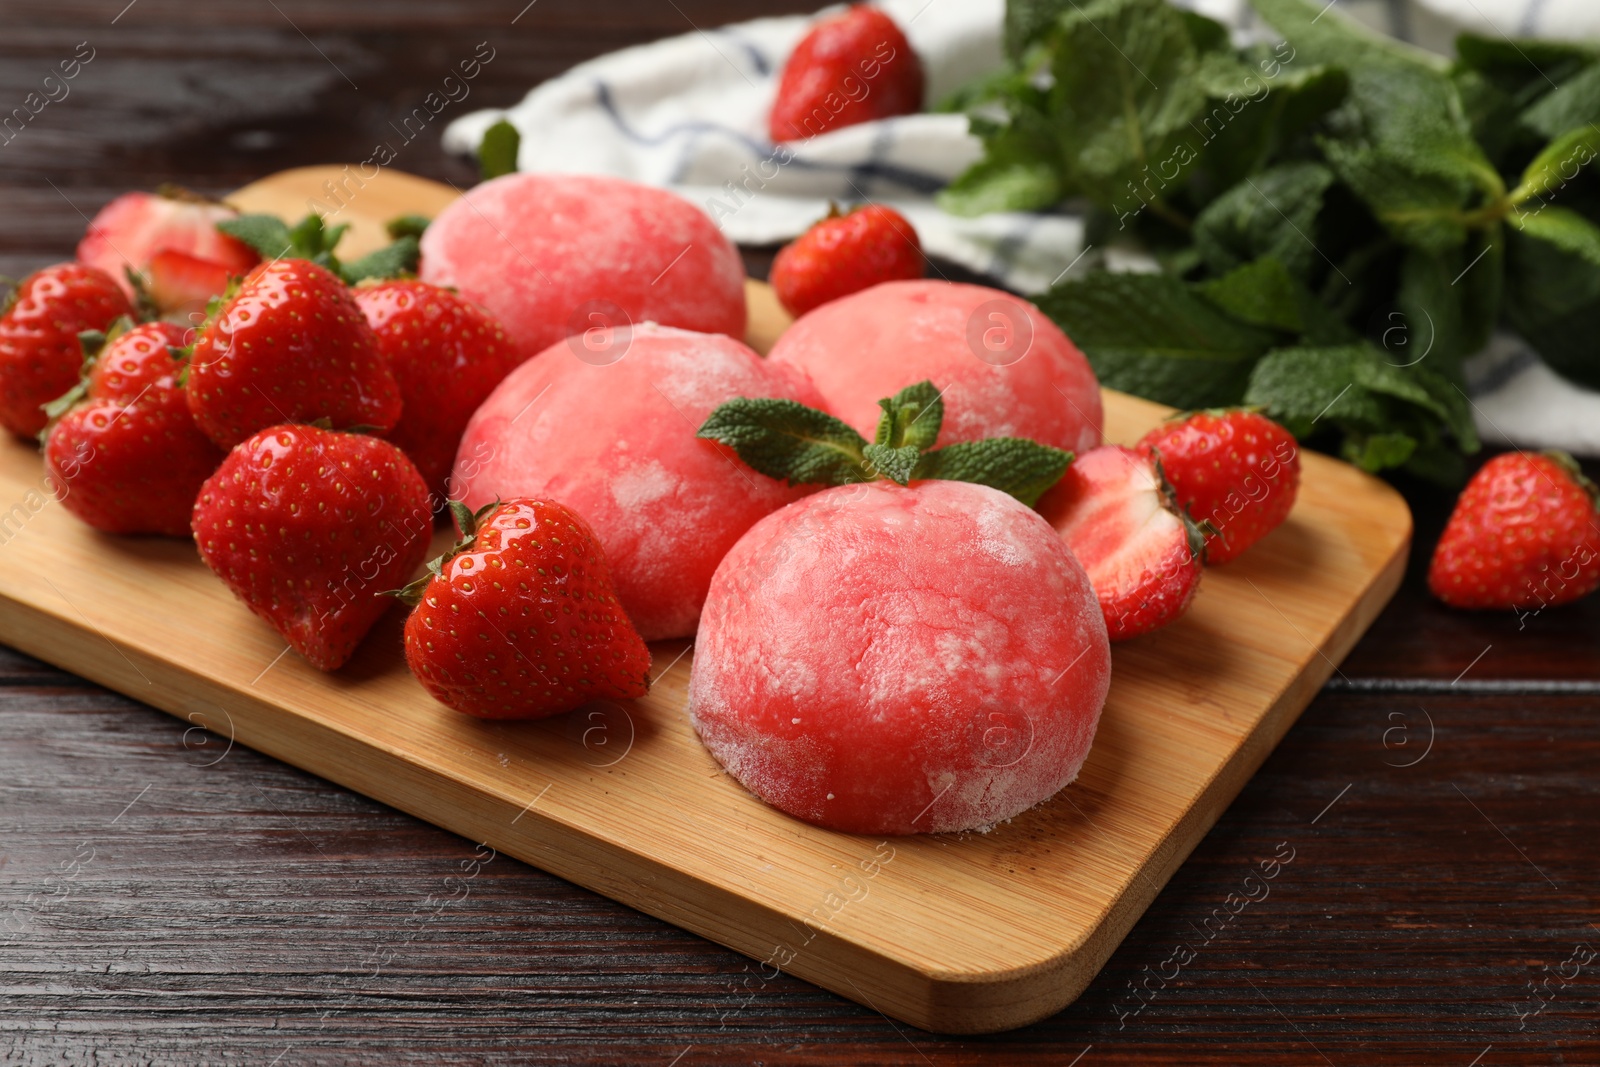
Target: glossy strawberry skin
853, 67
1142, 556
1525, 533
290, 346
308, 527
846, 254
130, 460
525, 624
447, 355
136, 227
40, 357
1236, 470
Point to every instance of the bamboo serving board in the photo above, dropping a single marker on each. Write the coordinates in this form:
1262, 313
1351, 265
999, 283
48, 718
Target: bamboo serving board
955, 933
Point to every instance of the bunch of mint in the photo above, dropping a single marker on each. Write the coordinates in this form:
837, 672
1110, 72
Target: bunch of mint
1340, 219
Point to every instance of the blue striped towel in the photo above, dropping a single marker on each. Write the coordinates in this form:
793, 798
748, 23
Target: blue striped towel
689, 113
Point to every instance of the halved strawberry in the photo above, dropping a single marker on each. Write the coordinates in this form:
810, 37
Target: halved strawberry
1116, 512
133, 229
181, 284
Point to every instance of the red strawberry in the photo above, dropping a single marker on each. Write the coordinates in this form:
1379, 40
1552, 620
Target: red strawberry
1116, 512
290, 346
852, 67
40, 356
447, 355
1525, 533
845, 254
520, 621
1235, 470
308, 526
133, 229
129, 460
181, 285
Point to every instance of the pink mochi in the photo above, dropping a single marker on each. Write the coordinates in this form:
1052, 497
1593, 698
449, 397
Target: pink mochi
1006, 369
886, 660
552, 255
616, 443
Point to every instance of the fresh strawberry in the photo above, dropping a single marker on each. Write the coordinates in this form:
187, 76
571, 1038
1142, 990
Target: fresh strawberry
308, 526
40, 355
852, 67
1117, 514
181, 285
129, 459
845, 254
447, 354
1234, 470
520, 620
1525, 533
131, 231
290, 346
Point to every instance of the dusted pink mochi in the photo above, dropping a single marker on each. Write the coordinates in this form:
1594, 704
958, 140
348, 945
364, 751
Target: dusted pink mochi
552, 255
616, 443
887, 660
1006, 369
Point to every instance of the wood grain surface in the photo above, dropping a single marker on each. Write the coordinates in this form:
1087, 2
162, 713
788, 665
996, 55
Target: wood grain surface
234, 909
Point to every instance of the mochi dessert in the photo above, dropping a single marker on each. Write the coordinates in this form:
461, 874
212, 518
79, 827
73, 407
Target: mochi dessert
616, 443
553, 255
1004, 368
885, 659
898, 654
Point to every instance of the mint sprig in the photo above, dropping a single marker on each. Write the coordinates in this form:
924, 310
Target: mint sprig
1335, 210
801, 445
311, 239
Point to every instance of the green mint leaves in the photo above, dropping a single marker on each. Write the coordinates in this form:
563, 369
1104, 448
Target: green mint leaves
497, 152
1339, 215
801, 445
785, 439
312, 240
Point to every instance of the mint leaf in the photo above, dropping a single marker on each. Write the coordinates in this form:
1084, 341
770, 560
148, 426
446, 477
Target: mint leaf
912, 417
1379, 451
1148, 334
1559, 163
1448, 303
497, 152
1259, 293
1575, 102
397, 259
1023, 468
1273, 214
1323, 39
785, 439
1357, 389
267, 234
1553, 290
407, 226
1018, 174
893, 463
1566, 230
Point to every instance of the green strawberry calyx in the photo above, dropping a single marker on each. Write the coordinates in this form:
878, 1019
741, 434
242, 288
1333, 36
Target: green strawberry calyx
467, 521
788, 440
92, 342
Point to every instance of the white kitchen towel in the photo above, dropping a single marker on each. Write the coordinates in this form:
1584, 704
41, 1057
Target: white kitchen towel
689, 113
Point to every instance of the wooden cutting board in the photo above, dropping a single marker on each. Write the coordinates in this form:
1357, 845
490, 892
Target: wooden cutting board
955, 933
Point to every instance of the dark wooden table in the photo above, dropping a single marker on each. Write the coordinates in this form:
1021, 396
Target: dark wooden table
166, 900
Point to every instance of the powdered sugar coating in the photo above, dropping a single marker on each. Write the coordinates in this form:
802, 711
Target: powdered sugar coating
872, 344
616, 443
535, 249
888, 660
